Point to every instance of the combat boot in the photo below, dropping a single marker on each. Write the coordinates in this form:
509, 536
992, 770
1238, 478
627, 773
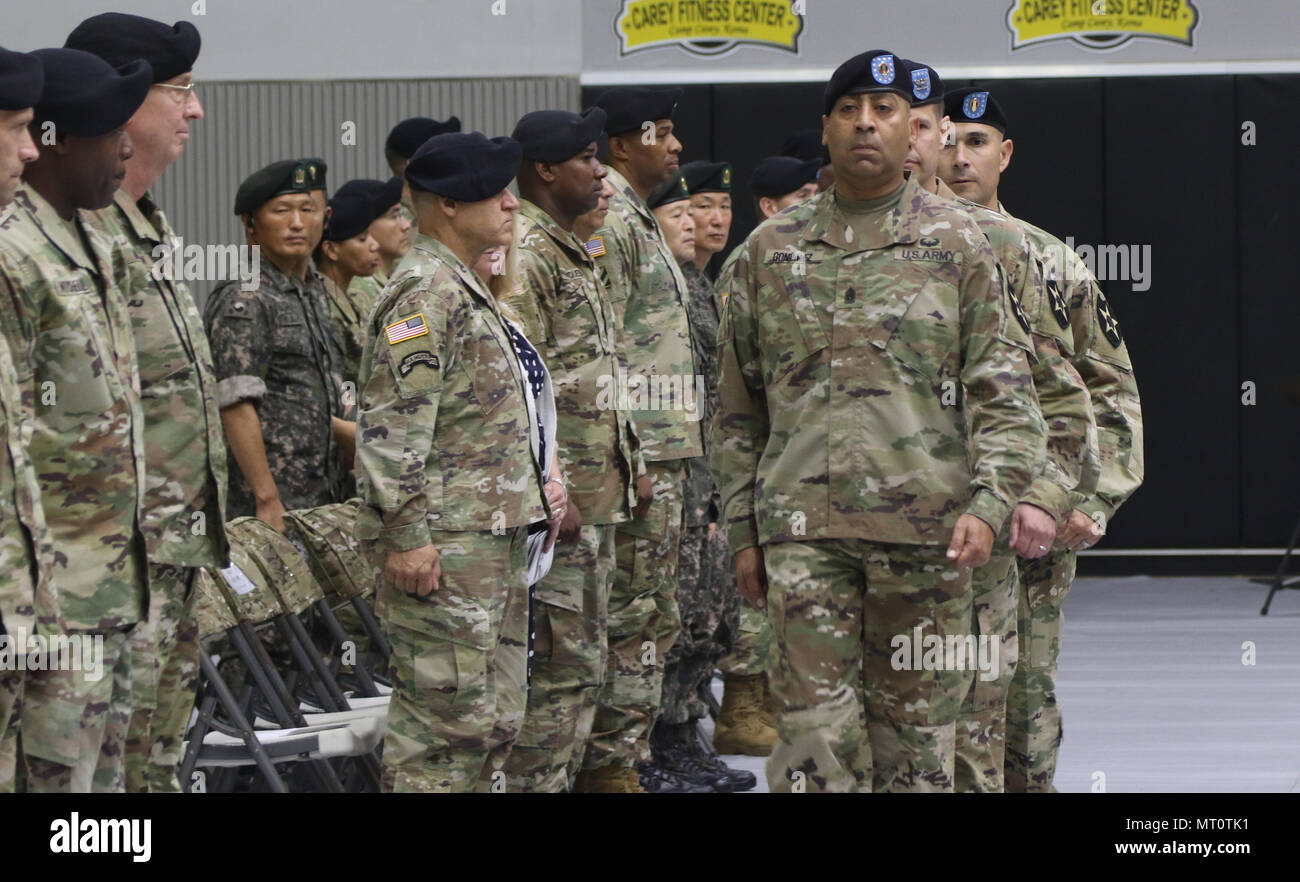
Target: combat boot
770, 712
608, 779
740, 727
657, 779
701, 763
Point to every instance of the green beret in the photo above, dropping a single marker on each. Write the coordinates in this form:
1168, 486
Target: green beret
285, 176
672, 190
707, 177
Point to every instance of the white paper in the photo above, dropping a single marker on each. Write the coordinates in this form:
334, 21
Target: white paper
236, 579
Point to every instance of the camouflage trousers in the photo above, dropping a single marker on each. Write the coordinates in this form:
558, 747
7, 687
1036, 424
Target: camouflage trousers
458, 667
74, 724
982, 726
643, 624
710, 608
11, 706
1034, 728
857, 714
570, 653
752, 651
164, 678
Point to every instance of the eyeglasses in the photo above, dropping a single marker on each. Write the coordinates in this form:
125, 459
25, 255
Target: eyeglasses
180, 94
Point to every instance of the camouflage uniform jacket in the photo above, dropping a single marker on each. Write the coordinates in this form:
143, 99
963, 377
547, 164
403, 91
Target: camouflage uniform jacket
699, 494
444, 438
844, 344
365, 291
1071, 464
566, 312
185, 449
649, 295
277, 347
70, 337
1101, 357
349, 313
27, 599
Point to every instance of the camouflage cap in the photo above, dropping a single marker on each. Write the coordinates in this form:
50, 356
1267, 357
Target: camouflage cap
285, 176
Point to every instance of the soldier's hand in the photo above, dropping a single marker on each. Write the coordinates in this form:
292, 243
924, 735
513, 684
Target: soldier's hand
751, 576
1079, 532
571, 525
972, 542
552, 530
272, 512
1032, 531
416, 571
645, 494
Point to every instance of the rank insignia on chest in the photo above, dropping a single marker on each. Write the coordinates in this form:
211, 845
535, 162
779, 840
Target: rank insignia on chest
596, 246
407, 329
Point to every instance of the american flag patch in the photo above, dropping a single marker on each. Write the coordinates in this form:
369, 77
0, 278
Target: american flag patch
596, 246
407, 328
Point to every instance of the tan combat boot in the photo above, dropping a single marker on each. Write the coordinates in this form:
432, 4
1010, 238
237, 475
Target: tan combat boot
770, 712
741, 727
608, 779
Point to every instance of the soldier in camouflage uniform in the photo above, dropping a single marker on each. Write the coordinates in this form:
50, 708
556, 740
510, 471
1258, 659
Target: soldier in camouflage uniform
278, 357
566, 311
1070, 465
347, 251
69, 331
1097, 352
876, 424
449, 480
649, 296
27, 602
746, 722
393, 231
185, 455
706, 595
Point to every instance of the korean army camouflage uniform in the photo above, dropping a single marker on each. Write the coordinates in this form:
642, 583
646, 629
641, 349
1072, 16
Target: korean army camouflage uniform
752, 648
874, 387
649, 297
567, 313
69, 332
1070, 467
28, 605
1101, 357
277, 347
706, 593
444, 458
185, 485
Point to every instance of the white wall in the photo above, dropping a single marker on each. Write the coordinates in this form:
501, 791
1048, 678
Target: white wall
340, 39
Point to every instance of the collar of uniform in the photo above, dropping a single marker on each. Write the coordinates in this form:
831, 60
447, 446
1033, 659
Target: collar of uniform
898, 226
564, 238
628, 192
945, 192
63, 234
285, 282
466, 274
135, 215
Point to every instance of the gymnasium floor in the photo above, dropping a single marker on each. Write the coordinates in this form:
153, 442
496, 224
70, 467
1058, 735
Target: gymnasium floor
1156, 697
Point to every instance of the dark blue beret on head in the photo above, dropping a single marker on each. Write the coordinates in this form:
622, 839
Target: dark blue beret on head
407, 136
779, 175
876, 71
628, 108
384, 194
467, 167
558, 135
85, 96
21, 78
352, 210
975, 106
119, 39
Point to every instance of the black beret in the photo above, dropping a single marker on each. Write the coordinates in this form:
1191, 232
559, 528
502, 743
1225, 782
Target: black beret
975, 106
21, 79
85, 96
629, 107
352, 210
675, 189
386, 194
779, 175
806, 144
467, 167
874, 71
285, 176
558, 135
707, 177
927, 85
118, 38
407, 136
